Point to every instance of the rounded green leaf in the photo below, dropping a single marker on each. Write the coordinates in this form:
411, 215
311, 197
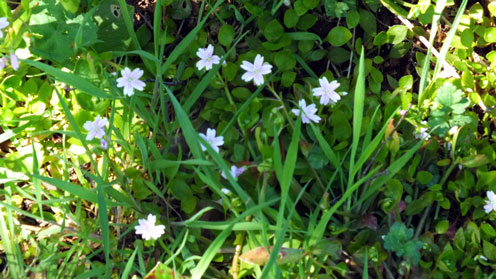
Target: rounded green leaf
368, 22
273, 31
229, 71
311, 4
424, 177
490, 35
352, 18
396, 34
339, 36
290, 18
288, 78
226, 35
380, 38
442, 226
300, 8
339, 55
306, 21
285, 60
241, 93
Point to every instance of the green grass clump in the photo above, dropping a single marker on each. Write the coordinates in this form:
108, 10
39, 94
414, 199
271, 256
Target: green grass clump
247, 139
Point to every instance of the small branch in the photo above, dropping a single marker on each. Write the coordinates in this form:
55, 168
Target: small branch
424, 41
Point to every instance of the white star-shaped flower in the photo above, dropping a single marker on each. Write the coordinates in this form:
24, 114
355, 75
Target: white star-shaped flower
14, 62
130, 81
327, 91
491, 203
214, 141
235, 172
96, 129
148, 229
308, 112
207, 58
256, 71
3, 23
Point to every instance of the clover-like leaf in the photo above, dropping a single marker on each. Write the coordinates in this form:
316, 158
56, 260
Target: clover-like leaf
399, 240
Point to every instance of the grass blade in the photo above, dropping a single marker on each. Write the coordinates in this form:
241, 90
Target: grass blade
68, 78
440, 5
129, 265
357, 117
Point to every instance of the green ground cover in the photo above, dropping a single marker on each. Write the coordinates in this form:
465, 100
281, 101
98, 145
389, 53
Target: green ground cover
247, 139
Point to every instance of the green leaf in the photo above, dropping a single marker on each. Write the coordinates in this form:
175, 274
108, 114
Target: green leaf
311, 4
490, 34
112, 30
488, 230
284, 60
397, 33
489, 250
380, 39
476, 12
287, 78
181, 9
300, 7
226, 35
399, 241
306, 21
424, 177
339, 36
54, 41
273, 31
290, 18
368, 22
442, 226
352, 19
70, 5
334, 8
303, 36
492, 8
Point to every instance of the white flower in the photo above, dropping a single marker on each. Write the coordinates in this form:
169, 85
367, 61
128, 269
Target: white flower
308, 112
147, 228
14, 62
3, 62
3, 23
130, 81
453, 130
327, 91
491, 203
207, 58
423, 133
235, 172
287, 2
214, 141
96, 128
256, 70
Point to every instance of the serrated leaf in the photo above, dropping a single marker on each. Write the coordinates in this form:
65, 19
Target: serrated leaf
448, 95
